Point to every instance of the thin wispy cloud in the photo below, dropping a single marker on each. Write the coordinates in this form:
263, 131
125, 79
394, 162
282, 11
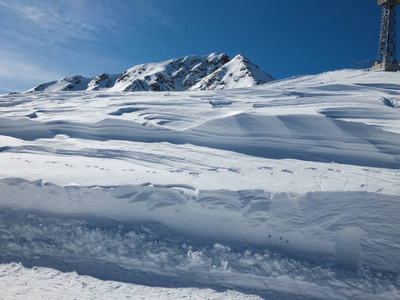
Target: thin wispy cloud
156, 12
59, 21
50, 20
25, 73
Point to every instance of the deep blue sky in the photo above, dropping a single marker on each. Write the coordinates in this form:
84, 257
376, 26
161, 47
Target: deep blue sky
43, 40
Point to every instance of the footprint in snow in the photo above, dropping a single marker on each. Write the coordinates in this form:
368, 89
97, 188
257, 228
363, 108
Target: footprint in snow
195, 173
234, 170
266, 168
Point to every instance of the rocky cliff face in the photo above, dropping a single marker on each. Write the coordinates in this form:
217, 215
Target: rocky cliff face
215, 71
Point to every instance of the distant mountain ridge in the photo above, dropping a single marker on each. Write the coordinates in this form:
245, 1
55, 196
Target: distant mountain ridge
189, 73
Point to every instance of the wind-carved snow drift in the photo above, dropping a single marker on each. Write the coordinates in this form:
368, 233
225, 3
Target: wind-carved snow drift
215, 71
288, 191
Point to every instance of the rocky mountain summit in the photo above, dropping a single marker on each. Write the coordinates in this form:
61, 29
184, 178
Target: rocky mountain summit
189, 73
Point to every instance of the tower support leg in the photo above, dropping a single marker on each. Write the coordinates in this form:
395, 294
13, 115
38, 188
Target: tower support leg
387, 40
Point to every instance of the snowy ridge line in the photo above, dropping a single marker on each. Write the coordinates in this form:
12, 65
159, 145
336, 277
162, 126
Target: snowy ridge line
277, 137
251, 217
64, 162
157, 203
189, 73
82, 230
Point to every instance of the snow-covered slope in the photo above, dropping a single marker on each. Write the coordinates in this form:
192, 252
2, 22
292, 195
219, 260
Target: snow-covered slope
286, 191
44, 283
214, 71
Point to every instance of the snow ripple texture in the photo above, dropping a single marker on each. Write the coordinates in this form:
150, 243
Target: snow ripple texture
285, 191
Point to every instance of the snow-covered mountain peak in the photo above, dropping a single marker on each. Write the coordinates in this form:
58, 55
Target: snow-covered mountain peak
103, 80
185, 73
175, 74
69, 83
240, 57
237, 73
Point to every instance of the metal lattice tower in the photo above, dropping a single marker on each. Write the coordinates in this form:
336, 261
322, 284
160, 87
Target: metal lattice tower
387, 40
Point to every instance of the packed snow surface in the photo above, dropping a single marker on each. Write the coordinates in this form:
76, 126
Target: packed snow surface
289, 190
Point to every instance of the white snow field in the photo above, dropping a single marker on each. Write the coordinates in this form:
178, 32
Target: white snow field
289, 190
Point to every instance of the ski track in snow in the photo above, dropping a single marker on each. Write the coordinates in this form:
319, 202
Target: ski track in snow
262, 191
